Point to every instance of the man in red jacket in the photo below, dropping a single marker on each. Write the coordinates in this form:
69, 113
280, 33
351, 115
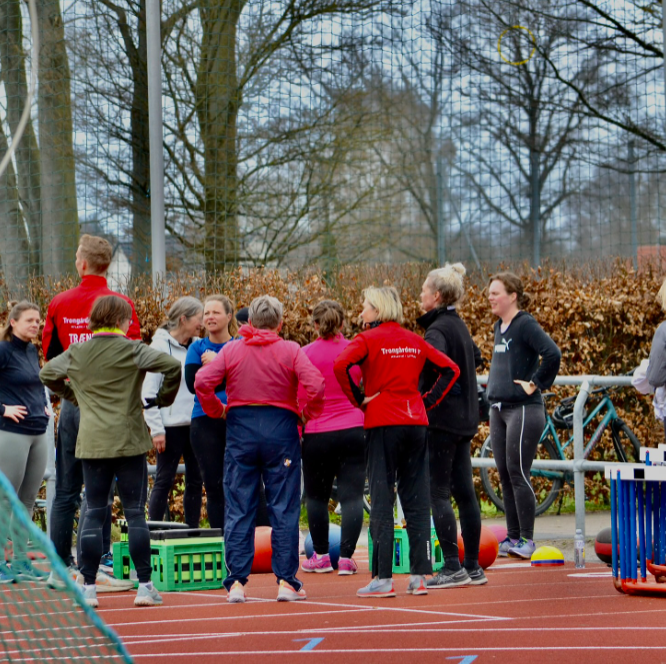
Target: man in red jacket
67, 323
391, 360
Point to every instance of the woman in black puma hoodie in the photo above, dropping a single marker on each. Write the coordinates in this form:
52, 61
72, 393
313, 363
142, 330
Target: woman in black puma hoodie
525, 362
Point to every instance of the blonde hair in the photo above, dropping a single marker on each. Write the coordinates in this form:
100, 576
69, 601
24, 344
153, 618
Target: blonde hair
265, 312
186, 306
386, 300
661, 295
329, 316
15, 312
229, 308
448, 281
97, 252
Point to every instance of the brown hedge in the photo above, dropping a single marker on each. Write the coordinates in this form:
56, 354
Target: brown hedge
603, 321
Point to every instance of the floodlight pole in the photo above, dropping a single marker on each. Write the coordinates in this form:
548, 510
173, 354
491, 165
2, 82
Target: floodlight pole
154, 44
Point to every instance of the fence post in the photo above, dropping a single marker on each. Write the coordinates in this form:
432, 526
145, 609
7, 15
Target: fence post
50, 474
579, 450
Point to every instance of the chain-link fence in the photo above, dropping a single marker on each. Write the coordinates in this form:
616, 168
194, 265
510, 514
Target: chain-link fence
336, 131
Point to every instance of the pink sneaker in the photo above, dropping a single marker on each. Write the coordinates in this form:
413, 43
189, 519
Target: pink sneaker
317, 564
346, 566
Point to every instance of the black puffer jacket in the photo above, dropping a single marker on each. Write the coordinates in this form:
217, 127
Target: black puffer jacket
458, 413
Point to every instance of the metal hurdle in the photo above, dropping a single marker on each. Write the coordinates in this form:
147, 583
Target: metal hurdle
638, 523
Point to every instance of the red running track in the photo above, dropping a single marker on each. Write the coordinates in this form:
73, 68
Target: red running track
523, 615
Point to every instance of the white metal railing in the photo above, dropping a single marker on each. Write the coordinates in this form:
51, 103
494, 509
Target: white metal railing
578, 465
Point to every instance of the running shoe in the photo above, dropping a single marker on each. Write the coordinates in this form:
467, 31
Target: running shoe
236, 594
90, 595
377, 587
523, 549
6, 576
505, 546
444, 579
477, 576
287, 593
23, 570
346, 566
55, 582
107, 560
147, 596
317, 564
106, 583
417, 586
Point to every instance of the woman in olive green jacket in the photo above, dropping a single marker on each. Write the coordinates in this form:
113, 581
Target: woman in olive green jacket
105, 378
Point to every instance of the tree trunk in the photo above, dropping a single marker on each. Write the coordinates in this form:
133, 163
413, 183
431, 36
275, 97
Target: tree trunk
535, 186
12, 63
15, 253
218, 100
60, 221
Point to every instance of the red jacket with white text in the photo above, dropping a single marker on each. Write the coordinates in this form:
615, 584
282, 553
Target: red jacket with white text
67, 316
391, 359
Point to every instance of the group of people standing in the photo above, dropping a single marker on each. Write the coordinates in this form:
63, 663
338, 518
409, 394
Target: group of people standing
243, 407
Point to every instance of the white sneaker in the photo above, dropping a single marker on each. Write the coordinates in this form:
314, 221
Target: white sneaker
106, 583
90, 595
287, 593
147, 596
56, 583
236, 594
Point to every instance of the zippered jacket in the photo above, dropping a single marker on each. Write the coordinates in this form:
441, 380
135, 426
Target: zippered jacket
68, 313
261, 369
105, 375
391, 360
180, 412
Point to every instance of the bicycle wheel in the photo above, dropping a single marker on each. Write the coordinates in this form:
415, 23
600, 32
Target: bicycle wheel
546, 484
627, 446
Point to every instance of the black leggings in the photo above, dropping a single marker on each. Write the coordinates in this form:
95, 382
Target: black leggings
131, 476
209, 440
327, 455
451, 473
177, 445
515, 434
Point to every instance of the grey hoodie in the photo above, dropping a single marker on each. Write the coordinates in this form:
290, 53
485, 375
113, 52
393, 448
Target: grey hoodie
656, 372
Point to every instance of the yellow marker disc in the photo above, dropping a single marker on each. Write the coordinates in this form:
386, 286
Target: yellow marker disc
499, 45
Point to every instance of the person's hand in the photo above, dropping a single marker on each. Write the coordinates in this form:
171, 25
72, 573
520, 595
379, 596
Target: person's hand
208, 356
302, 419
528, 387
368, 399
149, 403
224, 412
15, 413
48, 411
159, 442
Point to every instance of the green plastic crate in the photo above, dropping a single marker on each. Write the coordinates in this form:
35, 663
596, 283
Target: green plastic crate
401, 551
178, 565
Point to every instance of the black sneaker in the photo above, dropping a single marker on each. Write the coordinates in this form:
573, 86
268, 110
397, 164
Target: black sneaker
444, 579
477, 576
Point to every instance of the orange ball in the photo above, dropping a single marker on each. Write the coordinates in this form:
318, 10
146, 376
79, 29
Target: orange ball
488, 548
263, 551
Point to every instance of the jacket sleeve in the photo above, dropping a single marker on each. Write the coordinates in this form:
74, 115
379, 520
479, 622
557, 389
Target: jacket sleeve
207, 378
448, 374
354, 354
51, 345
134, 332
312, 382
656, 372
549, 352
437, 339
54, 374
152, 416
152, 360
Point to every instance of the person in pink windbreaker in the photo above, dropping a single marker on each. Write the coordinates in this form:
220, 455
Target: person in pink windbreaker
333, 446
262, 373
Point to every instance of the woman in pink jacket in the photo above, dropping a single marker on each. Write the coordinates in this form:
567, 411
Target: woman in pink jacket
262, 373
333, 446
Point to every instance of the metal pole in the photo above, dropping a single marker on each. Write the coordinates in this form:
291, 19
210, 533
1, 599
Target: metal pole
50, 472
441, 247
632, 204
154, 45
579, 449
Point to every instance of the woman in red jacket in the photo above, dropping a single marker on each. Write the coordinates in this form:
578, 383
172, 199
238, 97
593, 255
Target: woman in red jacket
391, 360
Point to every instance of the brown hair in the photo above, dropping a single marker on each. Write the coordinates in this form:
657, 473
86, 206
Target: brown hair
329, 316
229, 308
15, 312
96, 251
108, 312
513, 285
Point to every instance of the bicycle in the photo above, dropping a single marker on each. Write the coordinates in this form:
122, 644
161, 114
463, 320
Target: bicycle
548, 484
